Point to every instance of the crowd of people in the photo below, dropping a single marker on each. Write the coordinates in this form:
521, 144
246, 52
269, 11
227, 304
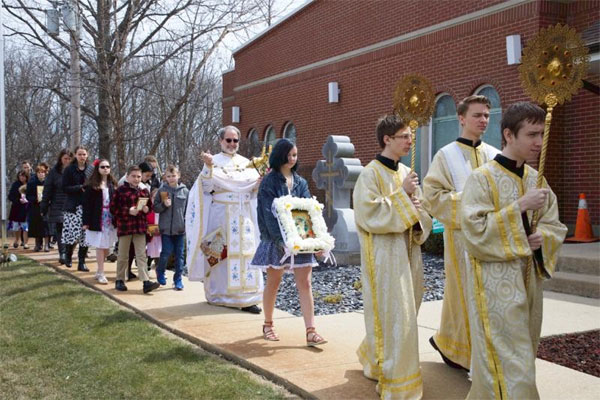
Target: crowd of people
495, 254
81, 204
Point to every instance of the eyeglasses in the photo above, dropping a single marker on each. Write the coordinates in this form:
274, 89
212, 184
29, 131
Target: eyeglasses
229, 140
104, 167
405, 137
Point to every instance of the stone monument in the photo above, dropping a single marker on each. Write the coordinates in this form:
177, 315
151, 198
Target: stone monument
337, 175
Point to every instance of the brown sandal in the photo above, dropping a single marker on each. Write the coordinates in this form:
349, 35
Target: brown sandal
269, 333
313, 338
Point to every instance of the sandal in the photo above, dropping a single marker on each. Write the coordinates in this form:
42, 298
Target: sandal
313, 338
269, 333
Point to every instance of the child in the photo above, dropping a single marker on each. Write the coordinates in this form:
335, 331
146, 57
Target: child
17, 220
37, 224
170, 202
97, 219
130, 219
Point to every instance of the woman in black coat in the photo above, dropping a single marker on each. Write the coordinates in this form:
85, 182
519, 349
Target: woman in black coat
38, 227
54, 199
17, 219
73, 185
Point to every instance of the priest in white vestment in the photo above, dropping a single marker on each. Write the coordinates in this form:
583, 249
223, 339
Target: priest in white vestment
221, 229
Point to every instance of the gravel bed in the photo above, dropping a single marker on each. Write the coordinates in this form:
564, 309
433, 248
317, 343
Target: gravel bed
579, 351
337, 289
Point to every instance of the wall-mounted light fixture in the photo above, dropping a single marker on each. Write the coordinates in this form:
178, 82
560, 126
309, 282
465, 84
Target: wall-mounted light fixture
513, 49
235, 114
334, 92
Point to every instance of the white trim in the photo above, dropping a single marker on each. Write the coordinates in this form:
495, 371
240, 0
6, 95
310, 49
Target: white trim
389, 42
269, 28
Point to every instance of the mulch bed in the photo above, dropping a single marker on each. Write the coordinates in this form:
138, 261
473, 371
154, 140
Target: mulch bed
579, 351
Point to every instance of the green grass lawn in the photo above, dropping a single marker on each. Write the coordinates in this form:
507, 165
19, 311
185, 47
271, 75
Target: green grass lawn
61, 340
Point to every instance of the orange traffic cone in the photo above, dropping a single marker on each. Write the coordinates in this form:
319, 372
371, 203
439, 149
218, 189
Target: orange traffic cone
583, 227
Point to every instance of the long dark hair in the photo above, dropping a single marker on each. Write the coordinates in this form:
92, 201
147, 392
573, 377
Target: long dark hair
58, 166
279, 155
95, 180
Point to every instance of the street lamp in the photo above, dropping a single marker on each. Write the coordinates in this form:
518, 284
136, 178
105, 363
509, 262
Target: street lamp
69, 11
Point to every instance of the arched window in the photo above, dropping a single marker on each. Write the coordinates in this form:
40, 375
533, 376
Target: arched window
492, 135
444, 123
254, 144
270, 137
289, 132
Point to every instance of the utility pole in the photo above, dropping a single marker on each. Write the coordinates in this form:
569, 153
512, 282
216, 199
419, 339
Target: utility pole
69, 10
75, 76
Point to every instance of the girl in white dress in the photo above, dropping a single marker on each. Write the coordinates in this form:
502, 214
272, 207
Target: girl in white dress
97, 220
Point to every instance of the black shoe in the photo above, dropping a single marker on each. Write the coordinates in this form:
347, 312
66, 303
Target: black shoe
448, 362
69, 255
131, 276
254, 309
112, 257
150, 286
120, 286
81, 257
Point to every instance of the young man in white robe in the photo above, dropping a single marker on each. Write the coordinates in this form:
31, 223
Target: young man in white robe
442, 190
386, 206
221, 211
508, 259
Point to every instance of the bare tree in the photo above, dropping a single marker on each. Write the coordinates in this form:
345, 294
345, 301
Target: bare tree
116, 35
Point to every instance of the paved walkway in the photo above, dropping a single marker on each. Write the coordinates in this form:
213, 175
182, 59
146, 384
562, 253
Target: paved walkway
332, 371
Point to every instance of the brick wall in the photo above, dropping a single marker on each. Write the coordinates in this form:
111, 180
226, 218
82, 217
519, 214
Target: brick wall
457, 60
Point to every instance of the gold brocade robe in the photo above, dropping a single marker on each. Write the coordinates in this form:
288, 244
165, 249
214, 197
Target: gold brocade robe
392, 287
504, 294
442, 190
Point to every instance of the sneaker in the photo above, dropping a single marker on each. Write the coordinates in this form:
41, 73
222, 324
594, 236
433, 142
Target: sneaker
120, 286
150, 286
101, 279
178, 285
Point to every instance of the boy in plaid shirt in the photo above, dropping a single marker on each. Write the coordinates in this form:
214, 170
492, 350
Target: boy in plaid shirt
131, 227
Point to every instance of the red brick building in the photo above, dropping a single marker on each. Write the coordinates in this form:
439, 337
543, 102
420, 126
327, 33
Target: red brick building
280, 81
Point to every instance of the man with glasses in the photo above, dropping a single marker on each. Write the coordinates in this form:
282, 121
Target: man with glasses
386, 206
221, 228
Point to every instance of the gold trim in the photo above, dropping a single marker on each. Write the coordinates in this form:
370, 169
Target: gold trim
512, 215
378, 330
407, 223
454, 223
451, 346
463, 304
499, 219
397, 381
405, 388
493, 360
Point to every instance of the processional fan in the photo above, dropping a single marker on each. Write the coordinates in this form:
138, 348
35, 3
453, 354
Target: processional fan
413, 102
554, 64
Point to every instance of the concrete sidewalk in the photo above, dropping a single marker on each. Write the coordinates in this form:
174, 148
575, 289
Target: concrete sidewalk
331, 371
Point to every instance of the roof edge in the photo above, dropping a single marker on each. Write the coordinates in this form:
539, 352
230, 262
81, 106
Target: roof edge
269, 28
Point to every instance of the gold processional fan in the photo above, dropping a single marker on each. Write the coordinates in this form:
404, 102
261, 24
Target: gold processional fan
413, 102
554, 64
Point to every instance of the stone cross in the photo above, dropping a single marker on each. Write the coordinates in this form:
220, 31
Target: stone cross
337, 175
